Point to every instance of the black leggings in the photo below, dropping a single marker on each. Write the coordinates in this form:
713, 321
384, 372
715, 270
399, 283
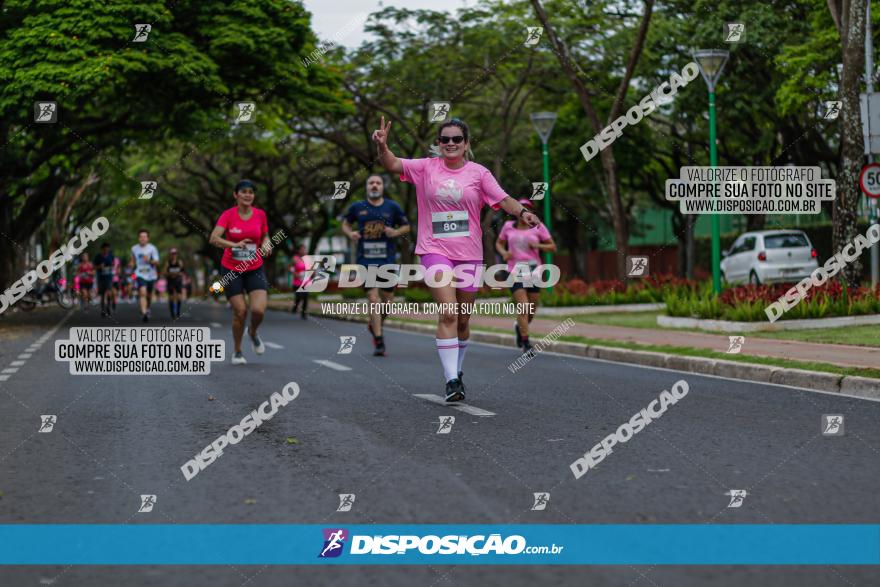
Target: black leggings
301, 296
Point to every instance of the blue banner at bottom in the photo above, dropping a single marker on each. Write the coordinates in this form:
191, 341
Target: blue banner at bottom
526, 544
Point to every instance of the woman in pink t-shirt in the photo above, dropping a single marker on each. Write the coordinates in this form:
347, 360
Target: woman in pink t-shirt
298, 273
239, 230
450, 191
519, 244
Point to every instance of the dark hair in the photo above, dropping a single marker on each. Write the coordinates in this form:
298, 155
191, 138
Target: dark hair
143, 230
454, 122
245, 183
106, 244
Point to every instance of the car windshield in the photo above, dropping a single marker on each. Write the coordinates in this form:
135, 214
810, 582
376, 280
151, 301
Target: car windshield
785, 241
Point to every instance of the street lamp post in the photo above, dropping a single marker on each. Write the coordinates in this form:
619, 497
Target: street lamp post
543, 122
711, 63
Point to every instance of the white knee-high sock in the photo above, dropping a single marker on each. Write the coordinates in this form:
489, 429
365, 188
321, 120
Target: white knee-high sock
462, 348
447, 348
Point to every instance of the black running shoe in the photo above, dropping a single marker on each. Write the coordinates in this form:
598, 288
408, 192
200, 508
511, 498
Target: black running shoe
454, 390
518, 334
461, 379
379, 350
527, 349
146, 318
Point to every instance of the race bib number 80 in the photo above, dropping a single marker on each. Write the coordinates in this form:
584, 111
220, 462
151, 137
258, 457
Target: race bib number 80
452, 224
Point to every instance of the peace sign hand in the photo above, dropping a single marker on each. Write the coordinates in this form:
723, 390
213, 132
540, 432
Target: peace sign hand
380, 136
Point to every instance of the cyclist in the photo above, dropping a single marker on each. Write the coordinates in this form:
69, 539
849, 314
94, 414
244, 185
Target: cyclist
105, 263
145, 260
451, 190
238, 231
380, 222
520, 245
174, 277
297, 269
86, 278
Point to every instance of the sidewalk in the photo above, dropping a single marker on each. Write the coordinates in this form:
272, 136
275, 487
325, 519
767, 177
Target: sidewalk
842, 355
832, 354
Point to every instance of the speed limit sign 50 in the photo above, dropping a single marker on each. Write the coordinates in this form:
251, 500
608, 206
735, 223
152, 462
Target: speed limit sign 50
869, 180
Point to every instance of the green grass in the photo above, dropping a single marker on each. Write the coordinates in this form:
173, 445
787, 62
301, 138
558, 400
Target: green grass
694, 352
855, 335
865, 335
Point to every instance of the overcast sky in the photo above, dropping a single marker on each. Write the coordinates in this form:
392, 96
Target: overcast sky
332, 16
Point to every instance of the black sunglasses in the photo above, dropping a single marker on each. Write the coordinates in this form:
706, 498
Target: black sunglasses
456, 139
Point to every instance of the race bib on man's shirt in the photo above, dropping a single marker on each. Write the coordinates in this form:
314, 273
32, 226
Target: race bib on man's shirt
451, 224
375, 249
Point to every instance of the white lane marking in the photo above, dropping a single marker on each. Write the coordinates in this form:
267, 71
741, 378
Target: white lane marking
472, 410
11, 370
272, 345
16, 363
332, 365
33, 348
25, 356
215, 325
4, 377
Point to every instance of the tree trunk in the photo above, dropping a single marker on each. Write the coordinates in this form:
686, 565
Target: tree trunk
620, 219
845, 216
756, 222
8, 251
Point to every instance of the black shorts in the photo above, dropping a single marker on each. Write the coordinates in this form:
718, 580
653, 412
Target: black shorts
175, 286
519, 285
389, 289
147, 283
105, 282
235, 284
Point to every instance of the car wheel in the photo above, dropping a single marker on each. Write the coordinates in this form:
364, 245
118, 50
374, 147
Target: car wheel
753, 278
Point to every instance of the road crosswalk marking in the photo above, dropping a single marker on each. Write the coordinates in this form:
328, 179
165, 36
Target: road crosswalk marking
272, 345
472, 410
332, 365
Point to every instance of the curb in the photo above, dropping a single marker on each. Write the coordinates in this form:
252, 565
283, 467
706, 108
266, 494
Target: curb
863, 387
766, 326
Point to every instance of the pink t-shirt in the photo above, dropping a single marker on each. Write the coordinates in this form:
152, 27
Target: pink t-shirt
254, 228
298, 269
519, 241
449, 204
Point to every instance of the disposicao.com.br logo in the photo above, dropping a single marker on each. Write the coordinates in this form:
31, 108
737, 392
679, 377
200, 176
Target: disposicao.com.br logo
476, 545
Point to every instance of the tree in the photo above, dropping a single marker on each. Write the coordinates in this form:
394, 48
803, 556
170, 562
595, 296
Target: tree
576, 75
114, 94
849, 18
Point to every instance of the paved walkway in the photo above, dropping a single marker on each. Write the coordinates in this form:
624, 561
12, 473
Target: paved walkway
835, 354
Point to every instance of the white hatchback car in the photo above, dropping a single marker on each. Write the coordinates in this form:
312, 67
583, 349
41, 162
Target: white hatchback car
769, 255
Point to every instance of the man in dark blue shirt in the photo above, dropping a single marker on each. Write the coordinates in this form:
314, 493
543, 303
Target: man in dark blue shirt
103, 262
379, 222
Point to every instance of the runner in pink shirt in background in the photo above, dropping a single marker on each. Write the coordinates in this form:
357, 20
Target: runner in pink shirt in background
298, 271
519, 244
450, 191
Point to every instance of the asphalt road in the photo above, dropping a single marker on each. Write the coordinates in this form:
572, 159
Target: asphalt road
359, 426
